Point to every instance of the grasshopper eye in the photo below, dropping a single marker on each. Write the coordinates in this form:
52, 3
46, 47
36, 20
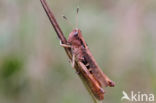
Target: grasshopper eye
75, 33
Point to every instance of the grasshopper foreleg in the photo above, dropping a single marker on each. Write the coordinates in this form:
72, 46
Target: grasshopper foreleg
65, 45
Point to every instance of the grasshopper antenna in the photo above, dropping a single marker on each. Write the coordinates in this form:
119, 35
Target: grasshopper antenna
65, 18
77, 11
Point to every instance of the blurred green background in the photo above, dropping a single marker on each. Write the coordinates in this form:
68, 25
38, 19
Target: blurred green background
121, 34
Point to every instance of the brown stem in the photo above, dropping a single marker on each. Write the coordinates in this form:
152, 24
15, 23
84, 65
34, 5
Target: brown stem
53, 21
55, 26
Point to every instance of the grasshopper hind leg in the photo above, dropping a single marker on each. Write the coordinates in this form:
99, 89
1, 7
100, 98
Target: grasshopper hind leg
84, 61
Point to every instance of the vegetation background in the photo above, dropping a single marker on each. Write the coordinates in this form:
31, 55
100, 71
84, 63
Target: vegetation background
121, 35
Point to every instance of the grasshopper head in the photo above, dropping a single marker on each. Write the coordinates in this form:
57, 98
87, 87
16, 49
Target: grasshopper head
74, 33
74, 37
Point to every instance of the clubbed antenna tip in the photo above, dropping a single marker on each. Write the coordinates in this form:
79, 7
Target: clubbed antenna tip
77, 10
64, 17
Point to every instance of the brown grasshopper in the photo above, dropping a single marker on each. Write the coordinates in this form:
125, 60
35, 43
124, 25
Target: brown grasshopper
91, 71
81, 56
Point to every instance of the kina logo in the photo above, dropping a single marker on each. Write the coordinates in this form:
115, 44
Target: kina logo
138, 97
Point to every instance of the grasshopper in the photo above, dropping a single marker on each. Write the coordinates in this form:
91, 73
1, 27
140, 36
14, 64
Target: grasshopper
81, 54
